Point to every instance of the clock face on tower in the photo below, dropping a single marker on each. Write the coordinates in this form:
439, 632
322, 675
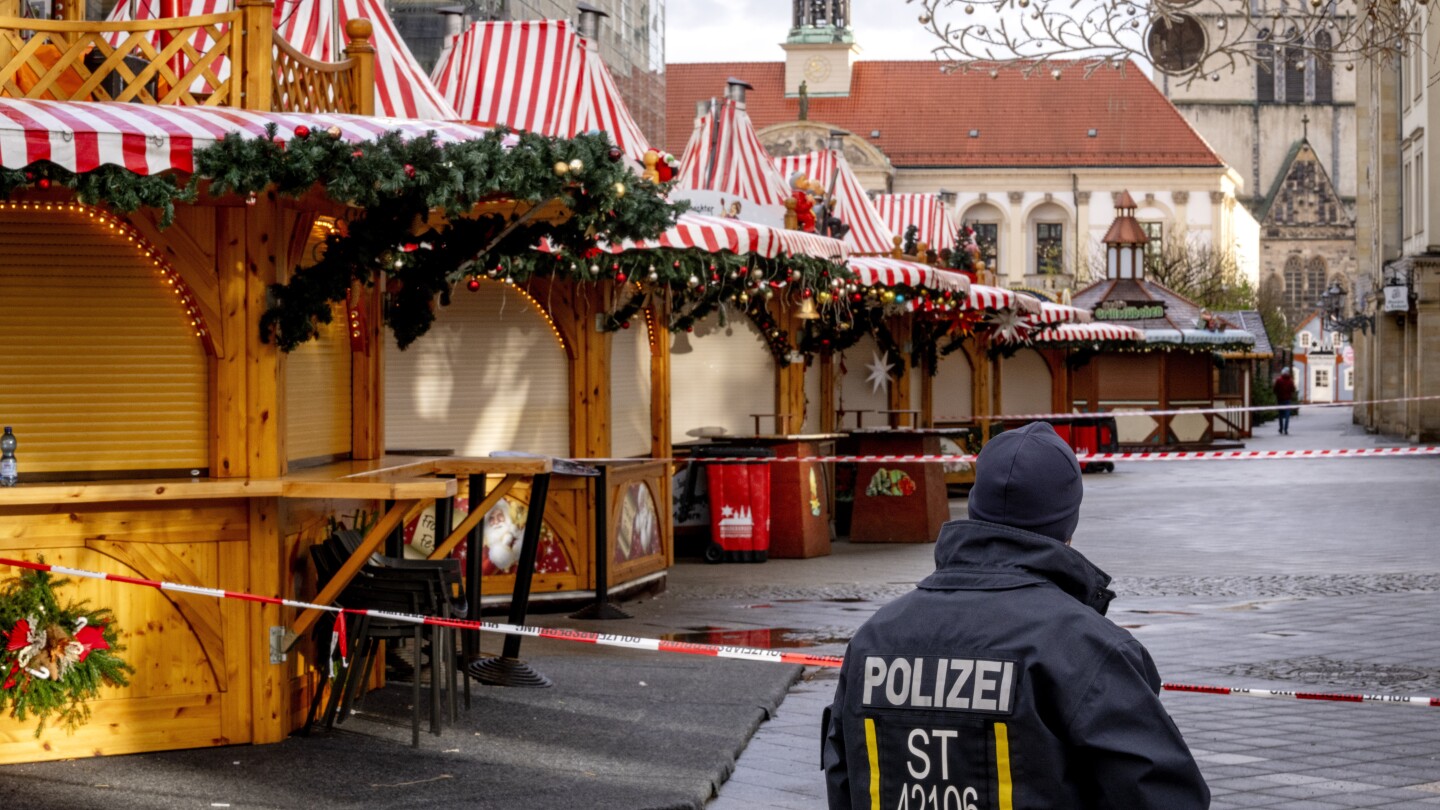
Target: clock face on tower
817, 68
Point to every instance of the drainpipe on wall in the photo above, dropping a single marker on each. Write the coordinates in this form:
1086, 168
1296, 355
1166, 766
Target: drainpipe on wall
1075, 202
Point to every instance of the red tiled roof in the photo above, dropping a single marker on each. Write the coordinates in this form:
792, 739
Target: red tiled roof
1180, 312
925, 117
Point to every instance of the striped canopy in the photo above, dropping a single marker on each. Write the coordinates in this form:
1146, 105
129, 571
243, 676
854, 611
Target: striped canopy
725, 155
869, 234
1060, 313
402, 90
877, 271
924, 211
82, 135
537, 76
1083, 332
983, 296
714, 234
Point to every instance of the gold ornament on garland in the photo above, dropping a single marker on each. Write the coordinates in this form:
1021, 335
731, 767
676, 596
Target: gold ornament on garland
54, 659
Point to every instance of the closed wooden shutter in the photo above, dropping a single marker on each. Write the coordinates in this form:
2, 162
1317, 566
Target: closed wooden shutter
954, 388
630, 391
489, 375
317, 393
728, 375
102, 368
1024, 383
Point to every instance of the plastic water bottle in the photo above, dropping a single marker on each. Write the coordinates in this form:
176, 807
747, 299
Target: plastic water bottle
9, 476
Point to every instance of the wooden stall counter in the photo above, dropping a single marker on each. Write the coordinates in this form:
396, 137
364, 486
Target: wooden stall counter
898, 502
801, 493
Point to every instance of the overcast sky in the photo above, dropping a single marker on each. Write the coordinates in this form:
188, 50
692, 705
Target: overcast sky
752, 30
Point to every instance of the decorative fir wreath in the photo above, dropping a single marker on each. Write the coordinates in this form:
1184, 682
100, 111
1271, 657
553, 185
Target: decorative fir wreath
55, 658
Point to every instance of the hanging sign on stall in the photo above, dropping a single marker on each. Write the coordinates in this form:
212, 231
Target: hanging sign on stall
1117, 310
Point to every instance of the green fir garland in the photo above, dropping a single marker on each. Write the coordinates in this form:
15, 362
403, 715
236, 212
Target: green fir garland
55, 658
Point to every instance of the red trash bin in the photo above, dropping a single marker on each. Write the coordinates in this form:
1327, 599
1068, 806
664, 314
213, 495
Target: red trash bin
739, 508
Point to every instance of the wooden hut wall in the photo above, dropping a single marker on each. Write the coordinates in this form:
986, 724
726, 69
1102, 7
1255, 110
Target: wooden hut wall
954, 387
491, 374
728, 375
813, 398
317, 395
1189, 382
104, 370
1026, 384
630, 386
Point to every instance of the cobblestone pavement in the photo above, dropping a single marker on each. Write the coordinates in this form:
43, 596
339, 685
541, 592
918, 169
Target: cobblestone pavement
1310, 575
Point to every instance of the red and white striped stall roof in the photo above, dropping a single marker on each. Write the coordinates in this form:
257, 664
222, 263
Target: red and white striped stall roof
869, 235
536, 76
716, 234
402, 90
924, 211
82, 135
1081, 332
879, 271
983, 296
725, 155
1060, 313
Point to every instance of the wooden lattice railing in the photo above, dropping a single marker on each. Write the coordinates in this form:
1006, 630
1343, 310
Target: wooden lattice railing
184, 60
306, 85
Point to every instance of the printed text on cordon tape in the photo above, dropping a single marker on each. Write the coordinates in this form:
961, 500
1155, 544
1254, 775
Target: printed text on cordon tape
1089, 458
659, 645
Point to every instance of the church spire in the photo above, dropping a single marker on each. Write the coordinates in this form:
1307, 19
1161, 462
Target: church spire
821, 21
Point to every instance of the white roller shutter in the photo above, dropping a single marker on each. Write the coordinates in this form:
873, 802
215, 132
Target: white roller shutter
1024, 383
954, 389
103, 370
728, 375
630, 391
489, 375
317, 393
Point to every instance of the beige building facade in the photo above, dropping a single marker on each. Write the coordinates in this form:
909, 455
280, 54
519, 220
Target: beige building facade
1398, 247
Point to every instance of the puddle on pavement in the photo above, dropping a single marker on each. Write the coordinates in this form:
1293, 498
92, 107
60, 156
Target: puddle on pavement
765, 638
1162, 612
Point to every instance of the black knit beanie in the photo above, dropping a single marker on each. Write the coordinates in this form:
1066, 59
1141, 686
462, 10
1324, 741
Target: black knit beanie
1028, 478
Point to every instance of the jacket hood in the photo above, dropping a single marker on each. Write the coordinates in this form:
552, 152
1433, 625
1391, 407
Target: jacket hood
976, 555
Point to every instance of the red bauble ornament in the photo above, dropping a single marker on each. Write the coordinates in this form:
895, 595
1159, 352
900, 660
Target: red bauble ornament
279, 143
615, 153
805, 293
302, 131
357, 153
473, 284
409, 171
44, 182
620, 277
625, 325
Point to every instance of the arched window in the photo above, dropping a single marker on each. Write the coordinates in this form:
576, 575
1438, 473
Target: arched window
1294, 75
1323, 69
1265, 72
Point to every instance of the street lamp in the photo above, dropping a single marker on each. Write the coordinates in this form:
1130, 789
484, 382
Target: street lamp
1332, 304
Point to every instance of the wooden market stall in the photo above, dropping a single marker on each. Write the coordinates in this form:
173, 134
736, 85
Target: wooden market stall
1175, 367
164, 431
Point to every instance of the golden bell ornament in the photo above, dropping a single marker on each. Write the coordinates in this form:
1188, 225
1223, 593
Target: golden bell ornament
807, 310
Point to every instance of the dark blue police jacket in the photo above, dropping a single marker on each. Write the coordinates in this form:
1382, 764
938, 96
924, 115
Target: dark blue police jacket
998, 684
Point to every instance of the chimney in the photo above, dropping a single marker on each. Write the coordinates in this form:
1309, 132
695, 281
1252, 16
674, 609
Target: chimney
454, 25
735, 90
703, 107
590, 22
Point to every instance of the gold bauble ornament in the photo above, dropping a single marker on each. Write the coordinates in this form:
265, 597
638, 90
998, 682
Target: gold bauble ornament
562, 168
577, 165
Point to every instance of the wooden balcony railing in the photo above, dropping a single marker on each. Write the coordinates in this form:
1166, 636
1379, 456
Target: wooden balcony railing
306, 85
234, 59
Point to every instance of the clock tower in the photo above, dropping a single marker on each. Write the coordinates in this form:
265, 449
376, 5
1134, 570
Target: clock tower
820, 49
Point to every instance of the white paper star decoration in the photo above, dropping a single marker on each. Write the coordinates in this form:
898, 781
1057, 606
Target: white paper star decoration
879, 369
1010, 326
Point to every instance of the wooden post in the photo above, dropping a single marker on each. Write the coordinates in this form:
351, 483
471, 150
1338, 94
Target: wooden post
980, 378
827, 393
228, 456
257, 79
657, 319
367, 372
899, 395
359, 31
790, 380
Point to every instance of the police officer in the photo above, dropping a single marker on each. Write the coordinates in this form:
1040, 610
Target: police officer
998, 684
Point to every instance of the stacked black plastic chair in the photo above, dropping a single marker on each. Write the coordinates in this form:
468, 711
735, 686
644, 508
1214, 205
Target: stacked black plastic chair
414, 587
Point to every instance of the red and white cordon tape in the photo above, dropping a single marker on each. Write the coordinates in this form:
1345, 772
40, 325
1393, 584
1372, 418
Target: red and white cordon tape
1090, 458
654, 644
1008, 417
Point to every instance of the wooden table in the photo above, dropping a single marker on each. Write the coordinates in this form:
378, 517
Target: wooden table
899, 502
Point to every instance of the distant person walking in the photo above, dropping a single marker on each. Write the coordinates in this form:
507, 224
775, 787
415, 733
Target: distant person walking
998, 682
1284, 395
